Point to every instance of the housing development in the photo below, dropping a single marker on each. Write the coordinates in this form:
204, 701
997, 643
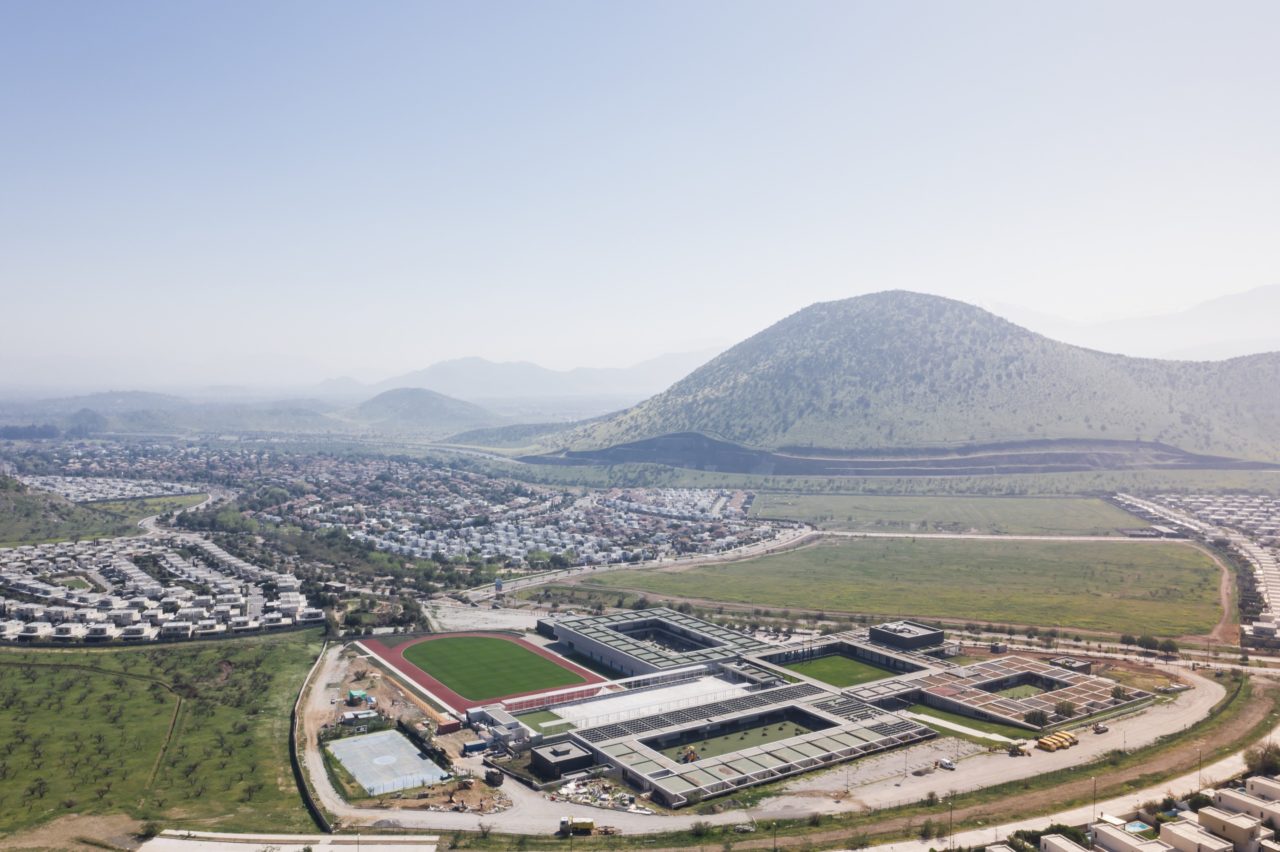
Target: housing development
139, 590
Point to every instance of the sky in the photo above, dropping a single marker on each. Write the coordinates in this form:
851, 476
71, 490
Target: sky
278, 192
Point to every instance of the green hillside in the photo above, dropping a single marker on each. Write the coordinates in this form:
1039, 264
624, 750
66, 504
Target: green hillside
422, 412
28, 516
900, 369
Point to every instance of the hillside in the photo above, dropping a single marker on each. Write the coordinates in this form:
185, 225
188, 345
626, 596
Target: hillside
900, 369
422, 412
28, 516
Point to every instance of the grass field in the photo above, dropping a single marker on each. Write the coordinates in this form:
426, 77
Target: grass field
839, 670
77, 583
132, 511
1163, 588
481, 667
1024, 691
1007, 515
976, 724
192, 735
545, 720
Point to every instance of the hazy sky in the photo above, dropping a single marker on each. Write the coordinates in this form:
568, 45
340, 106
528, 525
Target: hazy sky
271, 191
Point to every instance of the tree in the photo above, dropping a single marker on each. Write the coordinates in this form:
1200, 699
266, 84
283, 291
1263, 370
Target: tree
1039, 718
1065, 709
1169, 648
1148, 643
1119, 693
1263, 759
1127, 640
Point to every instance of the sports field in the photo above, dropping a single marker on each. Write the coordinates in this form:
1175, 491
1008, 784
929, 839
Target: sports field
1160, 588
839, 670
477, 668
1007, 515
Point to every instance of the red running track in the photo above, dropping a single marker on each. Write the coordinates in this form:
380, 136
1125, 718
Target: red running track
395, 657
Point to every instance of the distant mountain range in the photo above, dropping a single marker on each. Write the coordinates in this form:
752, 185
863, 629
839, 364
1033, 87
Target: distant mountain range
404, 412
1226, 327
889, 381
901, 370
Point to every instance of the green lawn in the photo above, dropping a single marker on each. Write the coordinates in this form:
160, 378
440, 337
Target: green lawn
739, 740
1008, 515
544, 720
89, 732
1161, 588
77, 583
1024, 691
483, 667
976, 724
839, 670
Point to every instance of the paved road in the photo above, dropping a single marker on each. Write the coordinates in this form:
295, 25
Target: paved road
1225, 768
206, 841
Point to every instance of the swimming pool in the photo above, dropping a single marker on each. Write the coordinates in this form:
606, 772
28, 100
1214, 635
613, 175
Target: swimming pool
1136, 827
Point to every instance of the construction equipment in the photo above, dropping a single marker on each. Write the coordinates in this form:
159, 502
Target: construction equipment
576, 825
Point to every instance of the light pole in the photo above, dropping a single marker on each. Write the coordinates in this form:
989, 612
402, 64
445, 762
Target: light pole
775, 836
951, 813
1095, 798
1199, 768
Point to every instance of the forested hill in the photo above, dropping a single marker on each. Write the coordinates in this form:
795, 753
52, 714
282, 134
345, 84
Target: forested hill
902, 369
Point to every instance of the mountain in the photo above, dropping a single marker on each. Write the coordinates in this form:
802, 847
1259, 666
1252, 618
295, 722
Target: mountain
421, 412
902, 370
479, 379
1226, 327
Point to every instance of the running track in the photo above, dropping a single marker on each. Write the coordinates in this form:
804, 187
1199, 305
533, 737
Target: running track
395, 656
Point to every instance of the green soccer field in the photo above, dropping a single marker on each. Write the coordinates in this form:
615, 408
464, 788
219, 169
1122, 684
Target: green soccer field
839, 670
483, 667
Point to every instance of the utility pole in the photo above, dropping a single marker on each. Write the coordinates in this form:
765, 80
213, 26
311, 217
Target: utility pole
1199, 768
951, 814
1095, 798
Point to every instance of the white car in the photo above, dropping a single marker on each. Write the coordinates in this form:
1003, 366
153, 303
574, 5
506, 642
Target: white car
947, 763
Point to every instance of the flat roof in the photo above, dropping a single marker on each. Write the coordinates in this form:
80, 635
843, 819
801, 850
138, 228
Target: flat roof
907, 628
609, 630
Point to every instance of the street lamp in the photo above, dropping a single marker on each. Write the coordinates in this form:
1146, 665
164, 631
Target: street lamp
1095, 798
775, 836
951, 813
